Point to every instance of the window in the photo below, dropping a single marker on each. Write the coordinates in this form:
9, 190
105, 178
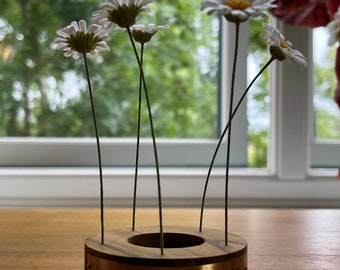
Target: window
46, 101
276, 125
325, 146
308, 154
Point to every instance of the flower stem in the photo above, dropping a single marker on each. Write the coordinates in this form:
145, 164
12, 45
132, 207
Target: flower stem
138, 143
153, 141
98, 149
231, 100
222, 136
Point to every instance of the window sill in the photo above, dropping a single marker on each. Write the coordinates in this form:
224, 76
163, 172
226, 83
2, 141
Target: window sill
79, 187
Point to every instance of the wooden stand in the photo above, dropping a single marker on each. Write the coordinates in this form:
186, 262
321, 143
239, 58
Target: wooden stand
184, 248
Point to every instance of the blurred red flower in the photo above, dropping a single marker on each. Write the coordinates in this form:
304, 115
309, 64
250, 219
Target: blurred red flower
337, 72
309, 13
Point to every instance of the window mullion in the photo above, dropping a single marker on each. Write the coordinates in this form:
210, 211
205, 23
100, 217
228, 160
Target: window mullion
239, 156
290, 96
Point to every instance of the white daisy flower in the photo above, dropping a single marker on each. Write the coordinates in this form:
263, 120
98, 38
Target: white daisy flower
237, 10
334, 29
120, 12
280, 48
142, 33
77, 39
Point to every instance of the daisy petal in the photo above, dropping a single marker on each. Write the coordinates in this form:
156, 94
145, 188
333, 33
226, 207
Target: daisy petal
280, 48
76, 39
120, 12
237, 10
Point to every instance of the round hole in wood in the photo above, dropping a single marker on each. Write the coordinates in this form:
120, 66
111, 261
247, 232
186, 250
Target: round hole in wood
171, 240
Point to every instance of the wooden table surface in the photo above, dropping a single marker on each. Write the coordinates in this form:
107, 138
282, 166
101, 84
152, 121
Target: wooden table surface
278, 239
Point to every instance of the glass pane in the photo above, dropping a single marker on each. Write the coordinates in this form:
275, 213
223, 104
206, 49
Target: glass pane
258, 98
327, 113
45, 94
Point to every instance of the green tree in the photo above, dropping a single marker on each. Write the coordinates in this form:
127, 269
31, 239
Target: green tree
44, 94
259, 96
327, 124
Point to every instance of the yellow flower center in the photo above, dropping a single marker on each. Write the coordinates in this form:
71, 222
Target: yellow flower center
284, 45
238, 4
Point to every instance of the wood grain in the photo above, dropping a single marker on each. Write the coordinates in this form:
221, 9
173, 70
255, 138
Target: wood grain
278, 239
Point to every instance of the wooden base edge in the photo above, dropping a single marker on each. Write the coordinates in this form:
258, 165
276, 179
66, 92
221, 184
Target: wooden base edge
118, 252
95, 263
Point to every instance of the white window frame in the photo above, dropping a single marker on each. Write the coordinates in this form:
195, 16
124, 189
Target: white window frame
288, 182
120, 152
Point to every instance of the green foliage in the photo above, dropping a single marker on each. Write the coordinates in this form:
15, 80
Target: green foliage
327, 125
39, 97
259, 95
258, 148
